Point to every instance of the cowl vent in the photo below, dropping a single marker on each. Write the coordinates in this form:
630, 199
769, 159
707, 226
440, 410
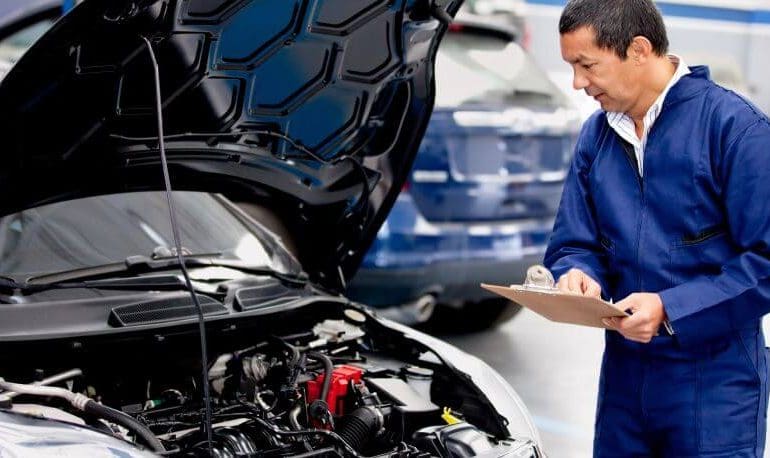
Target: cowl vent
160, 310
265, 295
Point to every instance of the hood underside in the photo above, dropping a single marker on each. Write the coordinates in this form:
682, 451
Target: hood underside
288, 105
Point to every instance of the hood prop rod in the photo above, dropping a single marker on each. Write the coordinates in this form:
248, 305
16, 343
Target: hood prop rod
178, 245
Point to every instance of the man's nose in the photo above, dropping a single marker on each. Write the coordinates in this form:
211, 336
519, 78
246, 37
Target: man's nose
579, 81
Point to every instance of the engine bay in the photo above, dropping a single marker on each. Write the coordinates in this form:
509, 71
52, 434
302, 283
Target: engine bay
322, 380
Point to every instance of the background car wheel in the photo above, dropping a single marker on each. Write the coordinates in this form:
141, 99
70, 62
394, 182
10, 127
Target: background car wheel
471, 317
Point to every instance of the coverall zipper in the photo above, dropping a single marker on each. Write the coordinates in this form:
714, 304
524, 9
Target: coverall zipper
631, 156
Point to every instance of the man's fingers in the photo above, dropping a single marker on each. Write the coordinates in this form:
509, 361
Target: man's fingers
638, 323
636, 327
562, 283
625, 304
593, 289
638, 339
629, 322
576, 281
573, 282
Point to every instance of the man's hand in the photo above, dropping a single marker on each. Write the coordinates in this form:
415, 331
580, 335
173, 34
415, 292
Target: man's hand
578, 282
648, 314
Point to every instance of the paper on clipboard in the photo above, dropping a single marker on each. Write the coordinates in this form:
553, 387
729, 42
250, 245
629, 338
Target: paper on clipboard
559, 306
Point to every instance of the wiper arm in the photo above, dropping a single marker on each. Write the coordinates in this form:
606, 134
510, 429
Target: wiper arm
9, 284
147, 264
100, 276
153, 283
132, 265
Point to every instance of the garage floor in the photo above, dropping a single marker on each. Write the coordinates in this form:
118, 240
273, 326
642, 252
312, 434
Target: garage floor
555, 369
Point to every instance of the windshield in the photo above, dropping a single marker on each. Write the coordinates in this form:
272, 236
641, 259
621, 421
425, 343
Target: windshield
474, 69
101, 230
13, 46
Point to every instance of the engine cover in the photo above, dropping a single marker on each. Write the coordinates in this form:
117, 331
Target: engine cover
342, 376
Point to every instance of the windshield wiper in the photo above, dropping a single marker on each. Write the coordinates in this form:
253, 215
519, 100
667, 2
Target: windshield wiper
7, 283
142, 264
152, 283
103, 277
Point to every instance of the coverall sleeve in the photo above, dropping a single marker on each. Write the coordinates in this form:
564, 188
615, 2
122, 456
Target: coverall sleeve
712, 305
574, 242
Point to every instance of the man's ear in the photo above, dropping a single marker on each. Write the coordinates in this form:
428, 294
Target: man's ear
639, 50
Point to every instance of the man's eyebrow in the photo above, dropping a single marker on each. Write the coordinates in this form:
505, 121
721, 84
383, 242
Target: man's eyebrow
581, 59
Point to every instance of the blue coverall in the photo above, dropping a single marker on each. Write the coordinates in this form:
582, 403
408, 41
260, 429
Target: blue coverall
696, 230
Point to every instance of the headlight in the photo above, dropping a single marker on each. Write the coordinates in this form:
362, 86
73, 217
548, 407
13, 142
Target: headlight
526, 451
499, 392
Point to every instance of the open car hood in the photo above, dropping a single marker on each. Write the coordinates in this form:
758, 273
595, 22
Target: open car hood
287, 105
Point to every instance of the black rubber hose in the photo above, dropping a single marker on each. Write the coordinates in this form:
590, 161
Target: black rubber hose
304, 432
359, 426
439, 13
115, 416
294, 351
328, 369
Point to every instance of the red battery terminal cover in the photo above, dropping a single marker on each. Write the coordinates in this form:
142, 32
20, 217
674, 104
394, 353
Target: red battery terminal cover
342, 376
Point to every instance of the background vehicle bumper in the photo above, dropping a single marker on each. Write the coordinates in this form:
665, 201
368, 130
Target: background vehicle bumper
453, 282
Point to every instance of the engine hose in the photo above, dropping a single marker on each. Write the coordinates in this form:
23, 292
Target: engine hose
294, 351
115, 416
294, 417
328, 369
305, 432
88, 405
359, 426
70, 374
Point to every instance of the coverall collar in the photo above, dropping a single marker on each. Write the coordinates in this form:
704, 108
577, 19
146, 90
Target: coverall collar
688, 86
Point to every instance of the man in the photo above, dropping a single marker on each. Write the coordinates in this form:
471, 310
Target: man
666, 210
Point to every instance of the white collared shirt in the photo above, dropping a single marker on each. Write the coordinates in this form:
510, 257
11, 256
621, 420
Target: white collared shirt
624, 125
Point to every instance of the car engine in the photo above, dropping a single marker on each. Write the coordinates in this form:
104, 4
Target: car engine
348, 387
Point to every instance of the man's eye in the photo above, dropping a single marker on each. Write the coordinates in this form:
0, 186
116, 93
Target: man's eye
588, 66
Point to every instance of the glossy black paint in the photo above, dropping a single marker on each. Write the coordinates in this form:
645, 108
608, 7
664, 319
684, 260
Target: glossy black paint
263, 101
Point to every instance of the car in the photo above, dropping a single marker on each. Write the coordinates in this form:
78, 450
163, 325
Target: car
480, 201
187, 186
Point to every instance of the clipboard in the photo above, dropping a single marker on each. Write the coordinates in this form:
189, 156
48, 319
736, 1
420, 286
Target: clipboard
559, 306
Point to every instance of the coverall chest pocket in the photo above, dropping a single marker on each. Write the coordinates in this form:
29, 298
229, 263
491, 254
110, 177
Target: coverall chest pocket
607, 245
698, 254
608, 248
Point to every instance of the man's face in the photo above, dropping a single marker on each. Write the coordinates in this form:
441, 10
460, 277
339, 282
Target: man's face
613, 82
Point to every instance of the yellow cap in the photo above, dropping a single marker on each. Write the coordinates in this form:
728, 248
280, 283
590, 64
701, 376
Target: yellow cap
449, 418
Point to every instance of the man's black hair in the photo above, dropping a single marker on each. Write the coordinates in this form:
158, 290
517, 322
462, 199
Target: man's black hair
616, 23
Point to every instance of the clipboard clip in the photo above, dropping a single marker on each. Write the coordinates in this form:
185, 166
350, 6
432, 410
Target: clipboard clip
539, 279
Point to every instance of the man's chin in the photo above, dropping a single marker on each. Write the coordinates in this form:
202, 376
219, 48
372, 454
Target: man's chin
601, 99
607, 106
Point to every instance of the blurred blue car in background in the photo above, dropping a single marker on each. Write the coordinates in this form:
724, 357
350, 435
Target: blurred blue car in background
484, 189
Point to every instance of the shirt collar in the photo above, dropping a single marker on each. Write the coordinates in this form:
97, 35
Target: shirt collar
654, 110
